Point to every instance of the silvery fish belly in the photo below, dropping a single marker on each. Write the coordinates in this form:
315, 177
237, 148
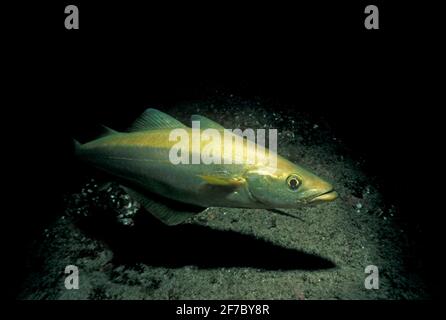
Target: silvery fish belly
176, 171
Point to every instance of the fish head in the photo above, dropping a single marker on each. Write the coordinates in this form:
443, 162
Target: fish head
287, 186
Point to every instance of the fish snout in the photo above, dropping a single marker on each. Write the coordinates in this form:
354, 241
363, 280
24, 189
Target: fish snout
325, 192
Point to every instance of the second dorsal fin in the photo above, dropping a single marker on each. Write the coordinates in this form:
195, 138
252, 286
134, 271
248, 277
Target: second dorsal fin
155, 119
206, 123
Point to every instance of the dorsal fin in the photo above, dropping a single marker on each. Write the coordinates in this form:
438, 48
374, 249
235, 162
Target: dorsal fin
155, 119
206, 123
106, 131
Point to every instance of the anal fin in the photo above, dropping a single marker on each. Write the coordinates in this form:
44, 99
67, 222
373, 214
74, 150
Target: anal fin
167, 211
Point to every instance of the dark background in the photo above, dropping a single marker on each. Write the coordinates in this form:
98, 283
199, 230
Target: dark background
372, 86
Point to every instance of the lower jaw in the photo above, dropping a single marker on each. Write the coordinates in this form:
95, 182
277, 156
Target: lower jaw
326, 197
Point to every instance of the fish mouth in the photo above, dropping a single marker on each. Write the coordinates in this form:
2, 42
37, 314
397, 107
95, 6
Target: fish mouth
324, 197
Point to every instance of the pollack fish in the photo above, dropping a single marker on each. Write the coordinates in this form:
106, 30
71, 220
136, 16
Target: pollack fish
139, 160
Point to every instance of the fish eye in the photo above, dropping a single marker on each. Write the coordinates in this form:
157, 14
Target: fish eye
293, 182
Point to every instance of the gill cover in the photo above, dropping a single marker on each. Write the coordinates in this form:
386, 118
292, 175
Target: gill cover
271, 191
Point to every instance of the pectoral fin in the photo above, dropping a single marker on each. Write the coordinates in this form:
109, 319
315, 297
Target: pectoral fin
223, 180
167, 211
